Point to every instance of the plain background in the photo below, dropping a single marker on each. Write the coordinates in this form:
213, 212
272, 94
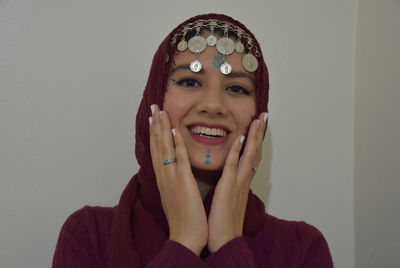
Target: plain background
72, 74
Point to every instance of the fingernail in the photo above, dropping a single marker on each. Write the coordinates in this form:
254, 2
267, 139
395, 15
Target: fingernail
153, 108
257, 123
241, 139
173, 132
150, 120
161, 115
265, 117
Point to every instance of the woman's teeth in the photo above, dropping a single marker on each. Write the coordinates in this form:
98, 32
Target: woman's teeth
205, 131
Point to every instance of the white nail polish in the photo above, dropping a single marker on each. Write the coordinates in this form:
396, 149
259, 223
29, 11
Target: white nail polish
161, 115
173, 132
150, 120
241, 139
257, 123
265, 117
153, 108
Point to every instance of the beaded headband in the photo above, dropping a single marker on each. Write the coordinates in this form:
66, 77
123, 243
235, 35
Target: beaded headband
225, 45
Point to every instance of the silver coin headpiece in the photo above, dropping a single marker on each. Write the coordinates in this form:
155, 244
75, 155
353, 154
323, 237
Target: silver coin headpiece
225, 45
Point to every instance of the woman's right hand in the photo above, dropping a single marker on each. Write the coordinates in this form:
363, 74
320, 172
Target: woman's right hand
180, 196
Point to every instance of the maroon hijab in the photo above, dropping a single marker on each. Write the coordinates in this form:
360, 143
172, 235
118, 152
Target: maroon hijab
142, 187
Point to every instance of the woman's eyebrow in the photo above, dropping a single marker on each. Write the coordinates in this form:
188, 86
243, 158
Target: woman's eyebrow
241, 75
183, 67
202, 71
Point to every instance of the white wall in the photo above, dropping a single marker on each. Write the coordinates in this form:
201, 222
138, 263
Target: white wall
377, 135
71, 76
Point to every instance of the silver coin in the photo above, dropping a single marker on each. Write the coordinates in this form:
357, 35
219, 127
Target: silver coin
197, 44
249, 63
225, 68
182, 45
239, 47
211, 40
196, 66
225, 46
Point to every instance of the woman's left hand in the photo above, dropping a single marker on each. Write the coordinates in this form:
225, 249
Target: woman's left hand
229, 203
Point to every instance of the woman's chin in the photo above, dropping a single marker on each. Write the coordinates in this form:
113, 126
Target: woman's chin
208, 166
207, 173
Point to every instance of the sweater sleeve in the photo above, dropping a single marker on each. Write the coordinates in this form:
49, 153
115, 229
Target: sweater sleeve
175, 255
235, 253
74, 249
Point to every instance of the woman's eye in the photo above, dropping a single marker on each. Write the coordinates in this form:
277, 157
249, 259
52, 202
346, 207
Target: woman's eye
238, 90
188, 82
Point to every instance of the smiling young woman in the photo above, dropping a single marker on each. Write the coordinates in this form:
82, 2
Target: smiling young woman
199, 133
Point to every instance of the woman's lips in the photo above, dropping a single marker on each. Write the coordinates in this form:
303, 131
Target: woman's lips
209, 140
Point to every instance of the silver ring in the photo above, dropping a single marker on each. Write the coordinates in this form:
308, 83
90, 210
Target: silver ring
254, 169
169, 161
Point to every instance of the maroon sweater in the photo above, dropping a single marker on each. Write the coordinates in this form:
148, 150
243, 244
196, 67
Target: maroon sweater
135, 233
84, 243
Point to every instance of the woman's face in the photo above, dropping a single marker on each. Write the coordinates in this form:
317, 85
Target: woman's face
209, 109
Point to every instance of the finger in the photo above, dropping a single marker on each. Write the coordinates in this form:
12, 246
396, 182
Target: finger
252, 152
183, 163
155, 131
257, 130
153, 144
153, 128
232, 159
166, 140
252, 143
263, 126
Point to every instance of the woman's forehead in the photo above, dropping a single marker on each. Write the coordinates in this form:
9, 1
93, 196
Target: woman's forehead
210, 58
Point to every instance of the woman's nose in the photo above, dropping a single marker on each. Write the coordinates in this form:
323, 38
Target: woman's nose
212, 102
